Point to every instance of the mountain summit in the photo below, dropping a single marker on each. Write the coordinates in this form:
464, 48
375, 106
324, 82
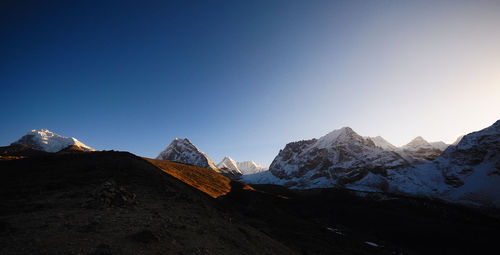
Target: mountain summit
239, 168
48, 141
420, 149
229, 166
340, 157
250, 167
183, 151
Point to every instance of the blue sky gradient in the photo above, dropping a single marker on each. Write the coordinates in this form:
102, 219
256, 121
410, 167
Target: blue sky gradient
244, 78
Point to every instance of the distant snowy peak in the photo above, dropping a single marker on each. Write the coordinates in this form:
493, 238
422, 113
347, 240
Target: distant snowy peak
229, 166
419, 149
417, 142
183, 151
46, 140
382, 143
250, 167
338, 136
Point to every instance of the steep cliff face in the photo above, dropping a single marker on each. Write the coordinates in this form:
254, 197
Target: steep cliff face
467, 172
341, 157
472, 167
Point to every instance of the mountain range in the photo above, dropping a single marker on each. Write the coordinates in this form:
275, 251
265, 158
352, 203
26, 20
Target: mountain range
467, 171
342, 193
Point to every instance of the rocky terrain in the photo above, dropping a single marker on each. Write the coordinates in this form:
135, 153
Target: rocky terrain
471, 168
114, 203
118, 203
346, 194
340, 157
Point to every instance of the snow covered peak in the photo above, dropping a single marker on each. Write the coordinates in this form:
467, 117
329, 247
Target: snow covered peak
339, 157
45, 140
183, 151
228, 165
250, 167
342, 135
417, 142
421, 150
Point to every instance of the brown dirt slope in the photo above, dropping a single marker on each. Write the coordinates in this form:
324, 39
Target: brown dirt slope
204, 179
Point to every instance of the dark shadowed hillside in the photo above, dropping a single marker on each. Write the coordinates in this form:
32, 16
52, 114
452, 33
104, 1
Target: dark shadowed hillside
321, 221
113, 203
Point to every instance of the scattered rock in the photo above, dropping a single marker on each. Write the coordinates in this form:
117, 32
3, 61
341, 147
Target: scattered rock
110, 194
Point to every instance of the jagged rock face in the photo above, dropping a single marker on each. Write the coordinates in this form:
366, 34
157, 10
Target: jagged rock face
477, 155
48, 141
342, 156
420, 149
183, 151
467, 172
229, 166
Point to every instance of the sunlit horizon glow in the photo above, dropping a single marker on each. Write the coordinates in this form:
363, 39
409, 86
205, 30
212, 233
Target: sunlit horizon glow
244, 79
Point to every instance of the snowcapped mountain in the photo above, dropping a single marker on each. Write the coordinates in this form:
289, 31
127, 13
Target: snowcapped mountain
472, 167
48, 141
229, 166
467, 173
183, 151
338, 158
250, 167
420, 149
239, 168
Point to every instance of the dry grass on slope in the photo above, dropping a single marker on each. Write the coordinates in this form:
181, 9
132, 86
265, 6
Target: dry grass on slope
203, 179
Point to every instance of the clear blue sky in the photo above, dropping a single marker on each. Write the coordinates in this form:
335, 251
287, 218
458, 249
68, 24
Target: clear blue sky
243, 78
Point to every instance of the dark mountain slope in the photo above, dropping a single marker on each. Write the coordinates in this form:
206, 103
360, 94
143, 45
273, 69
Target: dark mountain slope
113, 203
333, 221
21, 151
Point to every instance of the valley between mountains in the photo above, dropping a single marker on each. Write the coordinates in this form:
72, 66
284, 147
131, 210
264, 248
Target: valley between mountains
342, 193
